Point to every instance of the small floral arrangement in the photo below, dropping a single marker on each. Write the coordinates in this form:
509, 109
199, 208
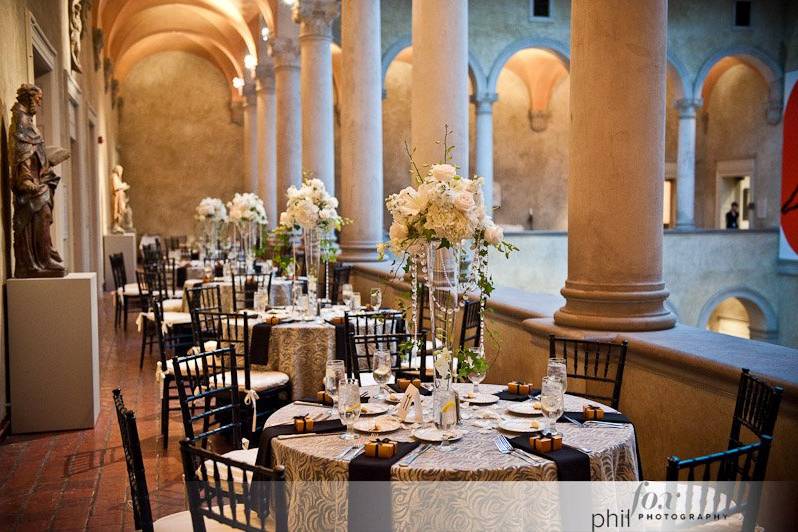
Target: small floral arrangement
211, 209
247, 207
310, 206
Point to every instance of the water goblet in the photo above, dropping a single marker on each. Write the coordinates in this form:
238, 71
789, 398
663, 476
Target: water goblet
334, 373
556, 368
346, 294
476, 378
349, 406
381, 362
552, 402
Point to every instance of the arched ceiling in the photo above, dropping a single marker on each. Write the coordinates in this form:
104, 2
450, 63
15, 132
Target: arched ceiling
723, 66
221, 31
540, 70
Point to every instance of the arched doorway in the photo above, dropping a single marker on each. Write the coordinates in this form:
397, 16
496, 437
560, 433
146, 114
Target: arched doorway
740, 312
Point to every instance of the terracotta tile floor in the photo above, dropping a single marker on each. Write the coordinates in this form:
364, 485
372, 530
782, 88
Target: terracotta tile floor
77, 480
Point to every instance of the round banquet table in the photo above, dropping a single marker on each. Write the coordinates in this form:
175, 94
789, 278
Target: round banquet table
612, 458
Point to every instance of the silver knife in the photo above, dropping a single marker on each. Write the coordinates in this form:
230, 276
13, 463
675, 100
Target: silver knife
572, 420
409, 460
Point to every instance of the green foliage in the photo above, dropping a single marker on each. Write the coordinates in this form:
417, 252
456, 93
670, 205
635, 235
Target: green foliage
470, 361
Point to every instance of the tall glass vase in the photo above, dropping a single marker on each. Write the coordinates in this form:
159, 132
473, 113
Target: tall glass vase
312, 242
442, 272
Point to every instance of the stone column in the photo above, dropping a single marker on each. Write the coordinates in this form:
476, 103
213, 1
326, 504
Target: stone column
685, 164
484, 147
315, 19
267, 161
615, 181
439, 93
361, 130
285, 52
250, 137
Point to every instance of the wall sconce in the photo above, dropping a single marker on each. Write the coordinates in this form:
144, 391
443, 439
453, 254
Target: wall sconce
250, 62
238, 83
265, 33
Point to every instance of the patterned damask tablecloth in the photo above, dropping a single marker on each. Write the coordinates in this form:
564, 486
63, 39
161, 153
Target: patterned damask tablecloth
318, 497
301, 350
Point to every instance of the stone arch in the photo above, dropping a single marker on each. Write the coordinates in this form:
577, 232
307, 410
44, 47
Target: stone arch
475, 71
763, 320
556, 47
678, 68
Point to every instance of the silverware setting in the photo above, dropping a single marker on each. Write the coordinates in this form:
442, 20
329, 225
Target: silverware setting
407, 460
308, 403
605, 424
305, 435
350, 452
505, 447
575, 422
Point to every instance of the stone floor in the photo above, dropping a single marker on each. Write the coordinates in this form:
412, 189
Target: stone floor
77, 480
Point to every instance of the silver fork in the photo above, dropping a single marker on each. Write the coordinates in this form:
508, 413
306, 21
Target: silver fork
505, 447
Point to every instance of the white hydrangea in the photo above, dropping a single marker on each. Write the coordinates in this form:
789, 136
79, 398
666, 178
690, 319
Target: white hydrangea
247, 207
211, 209
310, 206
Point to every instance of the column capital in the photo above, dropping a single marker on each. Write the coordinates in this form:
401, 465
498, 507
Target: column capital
484, 102
688, 107
285, 52
774, 111
316, 17
264, 73
250, 92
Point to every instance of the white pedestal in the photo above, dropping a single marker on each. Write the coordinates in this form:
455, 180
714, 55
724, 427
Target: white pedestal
120, 243
54, 353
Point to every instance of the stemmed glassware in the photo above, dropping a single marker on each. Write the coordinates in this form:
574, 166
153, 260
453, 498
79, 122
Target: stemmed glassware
346, 295
381, 364
556, 368
444, 410
552, 402
475, 379
349, 406
376, 298
334, 373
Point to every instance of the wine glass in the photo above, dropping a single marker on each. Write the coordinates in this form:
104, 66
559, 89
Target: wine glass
444, 408
381, 362
261, 300
556, 368
476, 378
349, 406
346, 294
356, 304
376, 298
334, 373
552, 402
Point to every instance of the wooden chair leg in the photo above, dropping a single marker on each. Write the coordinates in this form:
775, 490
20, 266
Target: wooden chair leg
126, 310
143, 346
165, 413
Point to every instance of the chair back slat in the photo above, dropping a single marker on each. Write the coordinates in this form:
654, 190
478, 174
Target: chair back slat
598, 364
362, 347
207, 386
172, 341
341, 274
131, 445
245, 286
364, 325
756, 409
254, 502
471, 330
117, 261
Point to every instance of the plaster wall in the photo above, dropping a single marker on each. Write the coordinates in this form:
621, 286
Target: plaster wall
177, 142
395, 131
696, 267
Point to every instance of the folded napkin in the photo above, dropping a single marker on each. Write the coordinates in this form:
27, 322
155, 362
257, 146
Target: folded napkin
504, 395
484, 413
269, 433
611, 417
259, 343
370, 503
395, 387
572, 464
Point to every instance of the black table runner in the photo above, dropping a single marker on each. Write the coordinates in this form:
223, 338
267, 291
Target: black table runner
572, 464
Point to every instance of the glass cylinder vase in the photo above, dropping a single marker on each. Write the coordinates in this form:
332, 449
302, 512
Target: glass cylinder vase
442, 273
312, 243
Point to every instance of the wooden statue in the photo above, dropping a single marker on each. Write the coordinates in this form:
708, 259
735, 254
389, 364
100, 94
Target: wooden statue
33, 183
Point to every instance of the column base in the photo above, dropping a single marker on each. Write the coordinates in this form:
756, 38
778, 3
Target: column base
639, 307
359, 252
684, 226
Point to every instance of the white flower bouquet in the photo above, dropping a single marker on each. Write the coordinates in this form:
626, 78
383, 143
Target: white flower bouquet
247, 207
211, 209
311, 207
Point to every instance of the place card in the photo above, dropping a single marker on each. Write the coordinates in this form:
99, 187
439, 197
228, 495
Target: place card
411, 397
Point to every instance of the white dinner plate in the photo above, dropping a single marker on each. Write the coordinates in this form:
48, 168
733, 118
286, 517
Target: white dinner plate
432, 434
369, 409
480, 398
378, 424
524, 409
521, 425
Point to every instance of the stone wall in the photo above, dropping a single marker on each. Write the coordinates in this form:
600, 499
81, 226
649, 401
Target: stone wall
177, 141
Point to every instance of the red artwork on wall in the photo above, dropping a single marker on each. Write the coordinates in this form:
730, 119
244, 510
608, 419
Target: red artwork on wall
789, 172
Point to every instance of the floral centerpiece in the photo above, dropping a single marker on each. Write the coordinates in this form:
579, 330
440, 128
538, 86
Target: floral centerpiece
435, 225
211, 214
312, 209
248, 215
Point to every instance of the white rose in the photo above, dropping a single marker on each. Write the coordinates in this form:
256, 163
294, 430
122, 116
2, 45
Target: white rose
332, 203
398, 232
285, 219
464, 201
493, 234
327, 214
442, 172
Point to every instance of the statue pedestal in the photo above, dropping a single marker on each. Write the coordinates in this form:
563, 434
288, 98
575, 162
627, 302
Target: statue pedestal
54, 353
124, 243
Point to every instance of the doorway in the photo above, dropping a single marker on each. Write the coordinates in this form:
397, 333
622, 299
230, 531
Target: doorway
734, 183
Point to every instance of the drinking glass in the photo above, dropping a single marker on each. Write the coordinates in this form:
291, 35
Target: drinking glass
444, 409
381, 364
261, 300
552, 402
334, 373
356, 303
296, 294
346, 294
556, 368
475, 379
349, 406
376, 298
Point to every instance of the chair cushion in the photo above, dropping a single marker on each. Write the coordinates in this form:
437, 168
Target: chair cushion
173, 305
260, 380
181, 522
248, 456
130, 289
